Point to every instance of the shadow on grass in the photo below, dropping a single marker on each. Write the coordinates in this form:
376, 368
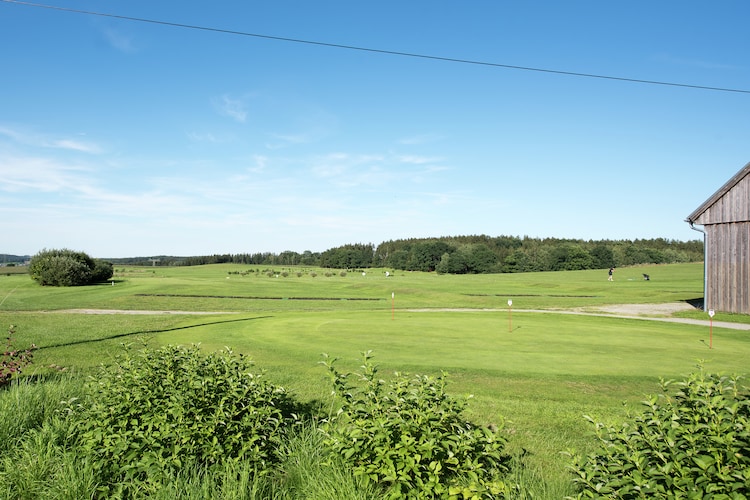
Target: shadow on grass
697, 303
530, 295
248, 298
144, 332
109, 282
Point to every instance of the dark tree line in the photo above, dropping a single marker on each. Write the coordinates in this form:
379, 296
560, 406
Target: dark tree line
7, 259
469, 255
510, 254
287, 258
354, 256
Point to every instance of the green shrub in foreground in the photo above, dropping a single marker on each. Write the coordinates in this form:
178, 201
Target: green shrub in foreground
158, 411
694, 444
408, 436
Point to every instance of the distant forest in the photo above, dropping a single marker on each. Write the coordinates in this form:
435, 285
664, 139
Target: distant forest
465, 255
12, 260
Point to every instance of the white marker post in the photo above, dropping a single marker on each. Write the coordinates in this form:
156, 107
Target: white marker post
711, 328
510, 315
393, 305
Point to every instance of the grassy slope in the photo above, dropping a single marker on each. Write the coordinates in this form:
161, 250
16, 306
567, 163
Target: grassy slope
542, 376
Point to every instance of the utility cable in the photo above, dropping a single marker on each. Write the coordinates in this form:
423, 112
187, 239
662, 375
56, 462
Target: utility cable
379, 51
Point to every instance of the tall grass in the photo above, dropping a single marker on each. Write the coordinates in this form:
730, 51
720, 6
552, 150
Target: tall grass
308, 472
27, 403
35, 461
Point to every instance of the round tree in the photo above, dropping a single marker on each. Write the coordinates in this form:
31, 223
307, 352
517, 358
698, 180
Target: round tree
68, 268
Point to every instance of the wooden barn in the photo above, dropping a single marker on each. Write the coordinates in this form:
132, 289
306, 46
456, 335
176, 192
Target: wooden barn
725, 218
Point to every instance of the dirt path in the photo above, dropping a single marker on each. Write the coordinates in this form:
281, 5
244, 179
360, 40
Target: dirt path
648, 312
129, 311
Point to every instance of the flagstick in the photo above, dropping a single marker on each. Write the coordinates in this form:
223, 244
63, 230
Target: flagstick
510, 315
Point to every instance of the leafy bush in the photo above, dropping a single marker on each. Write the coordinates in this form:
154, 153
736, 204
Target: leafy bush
14, 360
68, 268
408, 435
694, 444
102, 271
157, 411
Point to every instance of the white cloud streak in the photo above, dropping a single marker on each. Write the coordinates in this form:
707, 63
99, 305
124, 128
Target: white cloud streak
288, 199
19, 174
43, 141
232, 107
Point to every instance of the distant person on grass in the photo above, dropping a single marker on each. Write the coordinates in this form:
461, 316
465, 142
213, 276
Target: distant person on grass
611, 271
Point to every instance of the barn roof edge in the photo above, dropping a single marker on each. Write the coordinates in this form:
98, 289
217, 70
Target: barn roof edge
719, 193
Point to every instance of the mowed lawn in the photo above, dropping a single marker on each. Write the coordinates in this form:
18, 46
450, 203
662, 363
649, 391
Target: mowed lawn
537, 372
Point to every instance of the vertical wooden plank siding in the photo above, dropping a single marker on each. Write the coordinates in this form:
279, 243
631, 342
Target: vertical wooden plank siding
725, 217
728, 267
734, 206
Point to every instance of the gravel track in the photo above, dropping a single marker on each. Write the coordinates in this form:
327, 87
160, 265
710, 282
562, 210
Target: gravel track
648, 312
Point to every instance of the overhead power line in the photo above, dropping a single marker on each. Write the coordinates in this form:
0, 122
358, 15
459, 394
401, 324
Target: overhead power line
378, 51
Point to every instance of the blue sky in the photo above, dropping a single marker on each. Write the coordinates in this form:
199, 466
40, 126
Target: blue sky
125, 138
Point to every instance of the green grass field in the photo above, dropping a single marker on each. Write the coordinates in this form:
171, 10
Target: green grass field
540, 372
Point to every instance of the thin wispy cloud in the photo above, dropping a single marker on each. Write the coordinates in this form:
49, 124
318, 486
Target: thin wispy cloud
259, 164
349, 170
119, 40
34, 174
696, 63
433, 169
81, 146
203, 137
419, 139
294, 190
232, 107
283, 140
13, 134
58, 185
37, 140
146, 204
354, 170
330, 170
416, 160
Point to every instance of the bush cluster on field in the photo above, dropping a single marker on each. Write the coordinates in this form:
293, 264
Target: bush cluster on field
68, 268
